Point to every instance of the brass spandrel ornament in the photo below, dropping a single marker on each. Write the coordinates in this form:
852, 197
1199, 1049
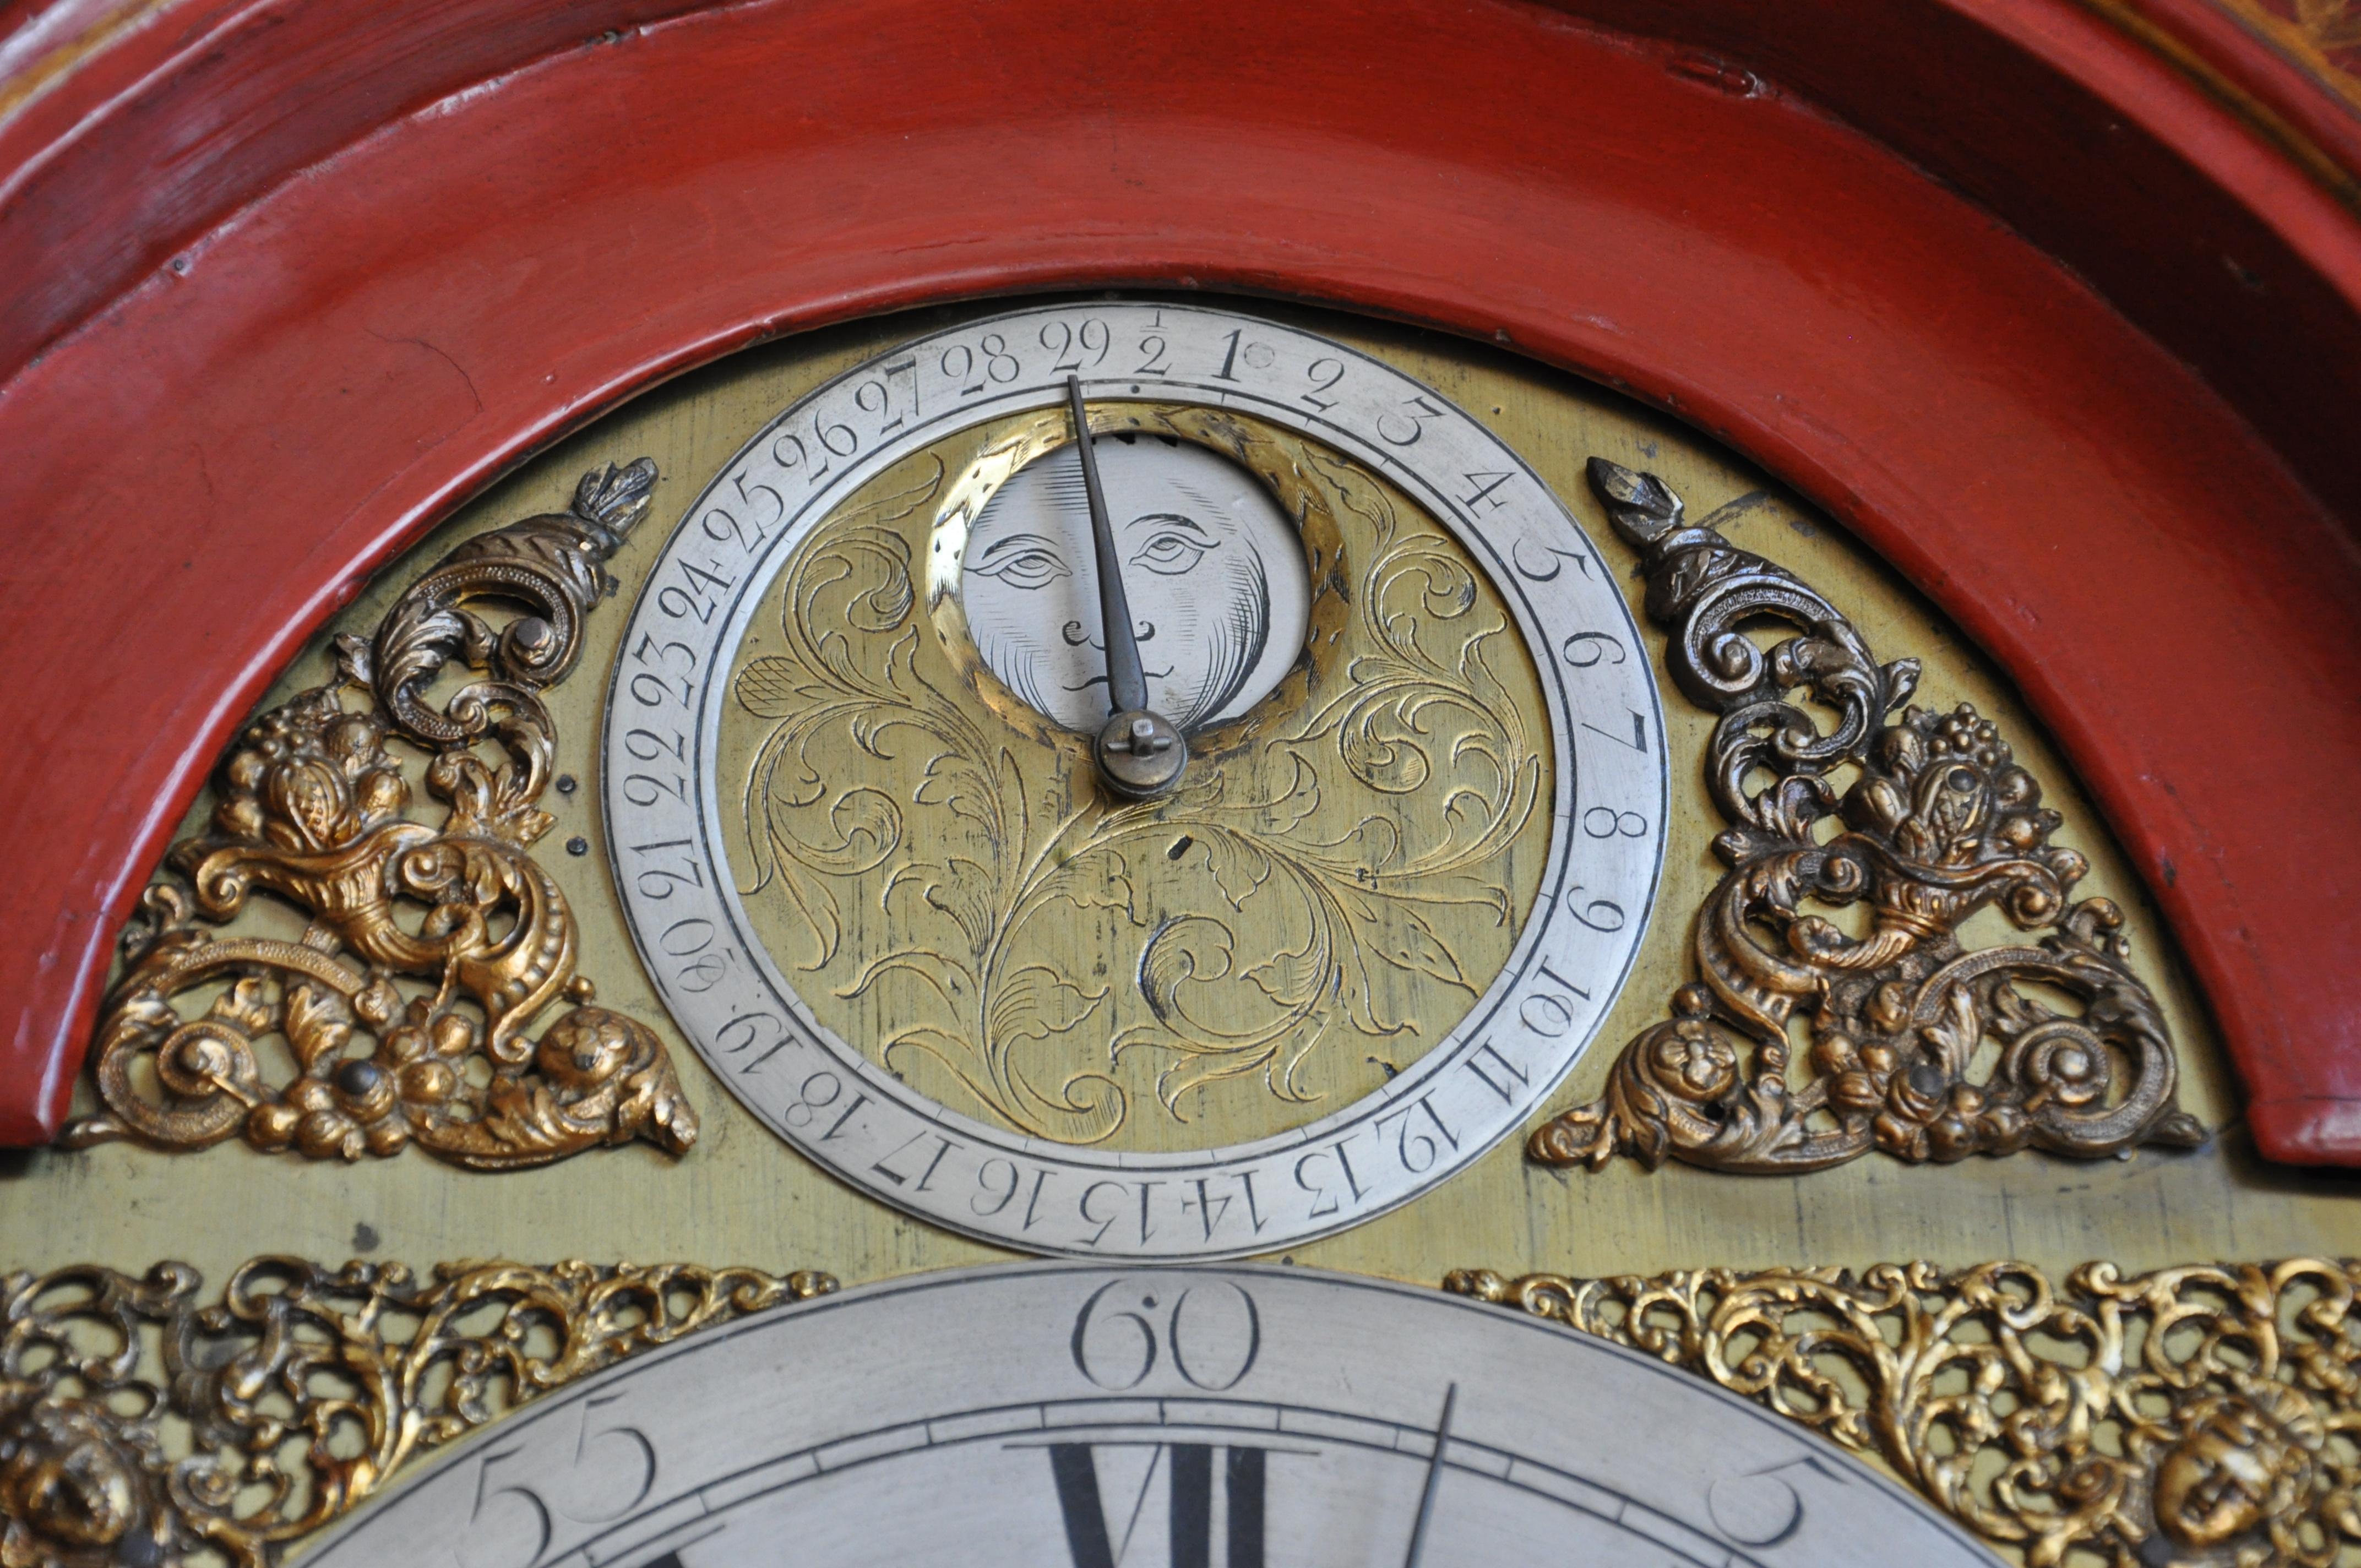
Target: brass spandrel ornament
143, 1425
426, 952
1298, 921
1920, 1046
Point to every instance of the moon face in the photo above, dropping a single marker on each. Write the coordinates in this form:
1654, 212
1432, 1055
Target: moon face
1220, 596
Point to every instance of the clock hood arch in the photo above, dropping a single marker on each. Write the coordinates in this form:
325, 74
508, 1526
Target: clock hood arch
490, 222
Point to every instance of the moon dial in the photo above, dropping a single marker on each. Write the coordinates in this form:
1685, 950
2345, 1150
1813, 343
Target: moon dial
1390, 834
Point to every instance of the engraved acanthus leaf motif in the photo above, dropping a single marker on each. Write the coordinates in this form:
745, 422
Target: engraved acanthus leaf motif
2188, 1418
312, 807
302, 1388
1940, 823
977, 851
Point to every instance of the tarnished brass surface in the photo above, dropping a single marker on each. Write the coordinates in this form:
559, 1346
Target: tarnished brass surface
2201, 1415
312, 808
1937, 823
1342, 870
142, 1426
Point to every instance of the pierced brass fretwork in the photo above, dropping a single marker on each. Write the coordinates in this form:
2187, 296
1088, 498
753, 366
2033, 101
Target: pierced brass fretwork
301, 1389
1938, 822
441, 945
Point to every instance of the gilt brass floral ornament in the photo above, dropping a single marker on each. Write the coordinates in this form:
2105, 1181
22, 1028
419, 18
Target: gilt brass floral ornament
433, 949
2188, 1418
1937, 823
296, 1393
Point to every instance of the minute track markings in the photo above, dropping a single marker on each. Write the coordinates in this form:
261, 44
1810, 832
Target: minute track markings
1601, 1455
1287, 1431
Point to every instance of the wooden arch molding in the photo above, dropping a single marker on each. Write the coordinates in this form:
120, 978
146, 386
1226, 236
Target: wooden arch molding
2067, 327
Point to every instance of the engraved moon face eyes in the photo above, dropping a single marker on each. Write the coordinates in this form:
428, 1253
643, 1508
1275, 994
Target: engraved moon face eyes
1025, 562
1220, 595
1176, 548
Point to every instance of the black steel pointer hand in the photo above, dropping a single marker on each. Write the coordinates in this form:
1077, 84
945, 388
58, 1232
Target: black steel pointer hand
1433, 1474
1140, 754
1127, 688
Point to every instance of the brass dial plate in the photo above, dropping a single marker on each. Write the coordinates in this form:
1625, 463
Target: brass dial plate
737, 1197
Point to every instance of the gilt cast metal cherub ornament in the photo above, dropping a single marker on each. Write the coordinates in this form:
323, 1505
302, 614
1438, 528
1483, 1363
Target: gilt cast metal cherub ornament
439, 946
1937, 823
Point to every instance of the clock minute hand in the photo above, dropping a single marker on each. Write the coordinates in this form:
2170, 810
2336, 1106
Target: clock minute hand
1126, 685
1434, 1475
1139, 753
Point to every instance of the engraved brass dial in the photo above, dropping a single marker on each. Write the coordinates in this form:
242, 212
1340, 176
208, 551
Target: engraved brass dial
874, 855
1288, 931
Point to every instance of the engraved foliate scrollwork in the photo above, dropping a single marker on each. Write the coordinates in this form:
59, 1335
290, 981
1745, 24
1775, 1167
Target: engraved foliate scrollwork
1284, 898
1936, 823
273, 1410
429, 952
2198, 1417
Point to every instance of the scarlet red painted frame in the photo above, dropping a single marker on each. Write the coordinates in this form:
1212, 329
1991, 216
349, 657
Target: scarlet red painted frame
291, 278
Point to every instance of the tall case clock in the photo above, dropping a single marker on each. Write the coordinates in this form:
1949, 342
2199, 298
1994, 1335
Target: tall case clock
878, 785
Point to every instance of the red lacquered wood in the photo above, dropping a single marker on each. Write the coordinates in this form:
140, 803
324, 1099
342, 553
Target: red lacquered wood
200, 472
2222, 37
2105, 154
204, 105
2111, 157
